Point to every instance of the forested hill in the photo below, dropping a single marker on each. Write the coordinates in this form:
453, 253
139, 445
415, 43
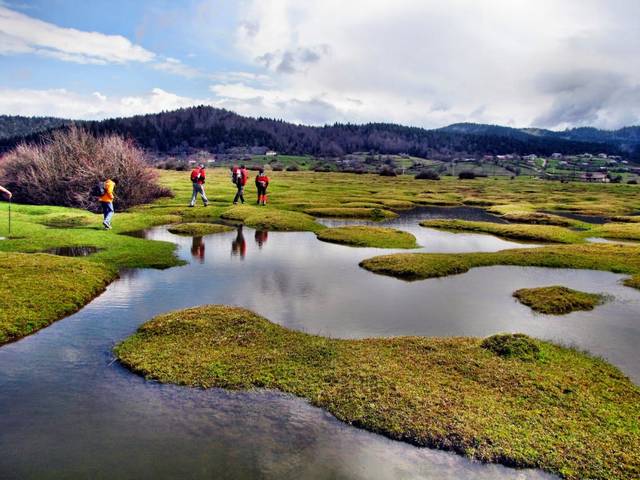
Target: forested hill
16, 126
217, 130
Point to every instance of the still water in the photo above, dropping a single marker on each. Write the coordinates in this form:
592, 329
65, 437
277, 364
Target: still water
69, 411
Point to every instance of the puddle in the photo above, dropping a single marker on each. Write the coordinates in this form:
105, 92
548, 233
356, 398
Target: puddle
594, 219
72, 251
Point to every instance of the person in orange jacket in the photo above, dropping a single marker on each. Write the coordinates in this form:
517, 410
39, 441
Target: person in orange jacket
262, 182
106, 202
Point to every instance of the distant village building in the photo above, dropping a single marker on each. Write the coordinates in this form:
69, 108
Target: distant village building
602, 155
271, 153
594, 177
556, 156
530, 157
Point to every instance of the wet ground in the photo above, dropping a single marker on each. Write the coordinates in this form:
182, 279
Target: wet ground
70, 411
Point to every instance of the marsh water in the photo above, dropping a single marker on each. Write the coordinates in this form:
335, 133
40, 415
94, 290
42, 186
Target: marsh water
68, 410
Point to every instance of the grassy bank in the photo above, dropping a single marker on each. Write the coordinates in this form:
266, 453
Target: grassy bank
557, 300
361, 236
416, 266
511, 400
198, 229
536, 233
36, 290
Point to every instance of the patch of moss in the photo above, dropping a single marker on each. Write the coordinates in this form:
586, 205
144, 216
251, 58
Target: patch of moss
414, 266
539, 218
346, 212
558, 300
38, 289
538, 233
262, 218
65, 220
560, 410
513, 345
198, 229
361, 236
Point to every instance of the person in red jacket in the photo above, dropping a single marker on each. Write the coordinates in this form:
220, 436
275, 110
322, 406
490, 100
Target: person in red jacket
240, 179
198, 176
262, 182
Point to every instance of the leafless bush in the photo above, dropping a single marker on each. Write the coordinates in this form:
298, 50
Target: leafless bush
63, 169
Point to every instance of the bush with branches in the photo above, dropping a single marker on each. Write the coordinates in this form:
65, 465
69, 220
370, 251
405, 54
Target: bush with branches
466, 175
64, 167
427, 175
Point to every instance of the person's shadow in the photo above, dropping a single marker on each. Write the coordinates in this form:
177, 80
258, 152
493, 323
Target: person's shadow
239, 245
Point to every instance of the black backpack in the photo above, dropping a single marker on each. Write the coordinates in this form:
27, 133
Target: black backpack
98, 190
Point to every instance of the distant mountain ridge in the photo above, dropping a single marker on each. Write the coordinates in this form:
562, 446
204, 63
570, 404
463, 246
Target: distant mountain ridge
216, 130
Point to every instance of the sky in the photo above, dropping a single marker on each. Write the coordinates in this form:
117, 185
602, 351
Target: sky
525, 63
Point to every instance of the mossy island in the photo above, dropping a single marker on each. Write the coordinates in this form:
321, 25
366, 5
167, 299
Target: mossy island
198, 229
558, 300
509, 399
364, 236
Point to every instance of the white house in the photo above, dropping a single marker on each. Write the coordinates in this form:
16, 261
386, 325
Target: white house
271, 153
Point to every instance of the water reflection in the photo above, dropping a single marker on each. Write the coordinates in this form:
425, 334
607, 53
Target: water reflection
197, 249
239, 245
261, 237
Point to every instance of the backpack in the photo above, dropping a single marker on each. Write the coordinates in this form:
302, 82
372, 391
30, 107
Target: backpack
98, 190
195, 174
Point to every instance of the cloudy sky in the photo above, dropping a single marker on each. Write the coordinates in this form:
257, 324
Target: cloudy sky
545, 63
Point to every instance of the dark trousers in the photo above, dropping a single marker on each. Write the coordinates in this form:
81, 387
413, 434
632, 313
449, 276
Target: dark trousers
239, 194
262, 190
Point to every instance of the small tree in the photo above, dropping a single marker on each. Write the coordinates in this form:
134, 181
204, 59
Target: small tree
427, 175
466, 175
64, 167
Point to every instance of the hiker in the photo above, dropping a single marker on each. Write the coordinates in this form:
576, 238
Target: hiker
262, 182
6, 193
106, 196
197, 179
197, 249
239, 177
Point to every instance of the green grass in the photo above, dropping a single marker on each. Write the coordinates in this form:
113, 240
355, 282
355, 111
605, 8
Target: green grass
537, 233
558, 300
198, 229
351, 212
416, 266
361, 236
36, 290
517, 401
265, 218
539, 218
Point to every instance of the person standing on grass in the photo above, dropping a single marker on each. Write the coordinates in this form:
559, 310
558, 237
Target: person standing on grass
6, 193
262, 182
240, 178
106, 202
197, 179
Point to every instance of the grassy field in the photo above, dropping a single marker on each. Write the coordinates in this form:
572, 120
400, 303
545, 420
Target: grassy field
507, 399
558, 300
198, 229
296, 197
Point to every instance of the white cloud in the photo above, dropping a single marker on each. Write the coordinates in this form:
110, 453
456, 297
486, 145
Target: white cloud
21, 34
65, 104
176, 67
429, 63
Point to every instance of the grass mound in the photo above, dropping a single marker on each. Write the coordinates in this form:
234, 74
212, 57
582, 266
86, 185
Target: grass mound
564, 412
361, 236
27, 305
516, 345
557, 300
198, 229
538, 233
607, 257
262, 218
349, 212
539, 218
65, 220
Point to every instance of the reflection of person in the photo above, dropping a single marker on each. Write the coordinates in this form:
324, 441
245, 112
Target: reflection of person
239, 246
197, 249
262, 182
261, 237
5, 193
106, 202
198, 176
240, 178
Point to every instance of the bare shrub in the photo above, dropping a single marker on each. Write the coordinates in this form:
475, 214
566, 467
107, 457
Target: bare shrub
63, 169
427, 175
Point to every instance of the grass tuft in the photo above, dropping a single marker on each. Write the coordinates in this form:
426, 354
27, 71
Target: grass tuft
361, 236
513, 345
198, 229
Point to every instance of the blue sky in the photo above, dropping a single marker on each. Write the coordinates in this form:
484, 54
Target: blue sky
418, 62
